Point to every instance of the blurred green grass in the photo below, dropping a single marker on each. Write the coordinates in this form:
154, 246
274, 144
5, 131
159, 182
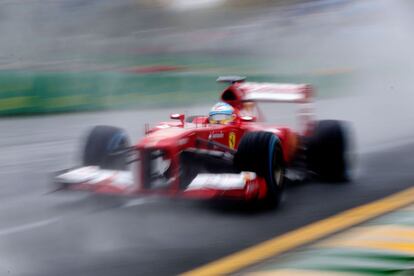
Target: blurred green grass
26, 92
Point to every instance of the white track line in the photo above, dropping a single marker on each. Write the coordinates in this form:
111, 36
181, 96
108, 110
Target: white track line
137, 202
27, 227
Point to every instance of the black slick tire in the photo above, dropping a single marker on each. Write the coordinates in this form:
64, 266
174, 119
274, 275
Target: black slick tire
327, 151
100, 145
261, 152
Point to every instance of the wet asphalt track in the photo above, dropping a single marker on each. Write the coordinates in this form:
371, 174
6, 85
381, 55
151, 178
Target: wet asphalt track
78, 234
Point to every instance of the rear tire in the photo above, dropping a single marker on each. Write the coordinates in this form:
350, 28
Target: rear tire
261, 152
327, 151
101, 142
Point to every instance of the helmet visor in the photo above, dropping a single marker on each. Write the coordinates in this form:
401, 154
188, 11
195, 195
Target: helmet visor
220, 118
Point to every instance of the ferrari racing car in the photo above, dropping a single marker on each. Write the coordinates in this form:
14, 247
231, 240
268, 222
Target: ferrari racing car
230, 153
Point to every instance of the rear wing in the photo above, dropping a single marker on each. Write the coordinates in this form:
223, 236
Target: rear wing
240, 93
266, 92
275, 92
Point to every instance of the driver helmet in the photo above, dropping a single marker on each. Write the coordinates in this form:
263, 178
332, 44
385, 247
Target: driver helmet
221, 113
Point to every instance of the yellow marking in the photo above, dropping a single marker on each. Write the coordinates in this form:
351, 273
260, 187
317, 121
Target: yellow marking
404, 247
297, 272
372, 233
15, 102
304, 235
232, 140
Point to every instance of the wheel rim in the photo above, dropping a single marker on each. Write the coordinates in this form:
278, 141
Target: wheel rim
277, 170
278, 174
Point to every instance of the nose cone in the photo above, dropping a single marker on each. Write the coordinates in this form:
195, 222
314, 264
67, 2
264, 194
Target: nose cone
171, 136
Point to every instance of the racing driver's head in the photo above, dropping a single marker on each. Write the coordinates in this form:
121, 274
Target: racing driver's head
221, 113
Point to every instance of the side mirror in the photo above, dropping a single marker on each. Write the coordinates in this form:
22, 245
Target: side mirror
248, 118
178, 116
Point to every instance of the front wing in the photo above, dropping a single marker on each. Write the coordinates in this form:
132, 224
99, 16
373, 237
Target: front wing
243, 186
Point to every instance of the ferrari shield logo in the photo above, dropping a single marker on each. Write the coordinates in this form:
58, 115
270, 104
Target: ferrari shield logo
232, 140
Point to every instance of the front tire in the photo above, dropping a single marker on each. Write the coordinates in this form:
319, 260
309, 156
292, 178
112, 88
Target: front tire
261, 152
101, 142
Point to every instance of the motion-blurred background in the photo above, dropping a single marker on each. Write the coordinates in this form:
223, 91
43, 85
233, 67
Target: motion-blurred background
64, 55
70, 55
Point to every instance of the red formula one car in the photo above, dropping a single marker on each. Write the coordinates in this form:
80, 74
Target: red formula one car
232, 153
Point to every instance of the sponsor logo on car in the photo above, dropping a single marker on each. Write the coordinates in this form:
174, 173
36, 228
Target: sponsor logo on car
216, 135
232, 140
